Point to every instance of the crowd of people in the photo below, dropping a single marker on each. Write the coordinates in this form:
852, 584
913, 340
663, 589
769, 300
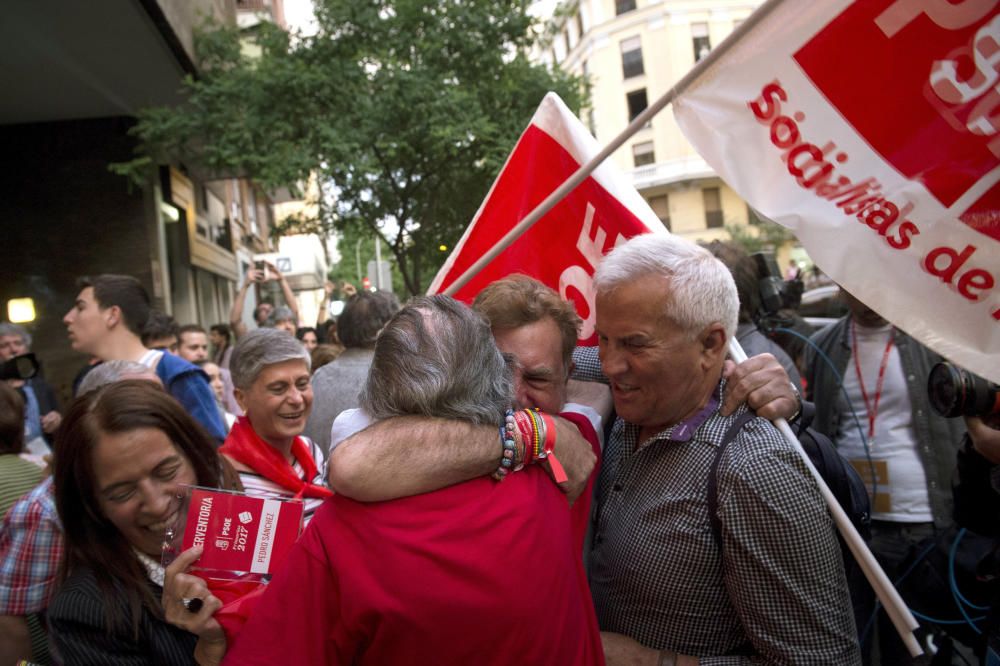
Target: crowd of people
476, 488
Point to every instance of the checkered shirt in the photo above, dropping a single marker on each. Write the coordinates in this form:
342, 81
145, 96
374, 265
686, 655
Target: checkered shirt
31, 548
776, 594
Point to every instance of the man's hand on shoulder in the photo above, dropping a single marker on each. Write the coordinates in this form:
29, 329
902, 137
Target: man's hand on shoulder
761, 382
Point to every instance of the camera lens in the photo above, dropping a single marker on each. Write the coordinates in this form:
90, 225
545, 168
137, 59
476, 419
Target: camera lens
946, 390
956, 392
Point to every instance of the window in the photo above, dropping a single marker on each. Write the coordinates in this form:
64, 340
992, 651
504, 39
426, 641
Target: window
631, 57
579, 24
252, 211
661, 206
235, 205
591, 123
699, 37
636, 103
642, 153
622, 6
565, 36
713, 207
752, 217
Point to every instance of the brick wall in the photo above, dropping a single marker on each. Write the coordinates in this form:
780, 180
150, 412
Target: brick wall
62, 215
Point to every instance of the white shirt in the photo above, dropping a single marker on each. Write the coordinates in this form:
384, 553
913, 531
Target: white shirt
894, 446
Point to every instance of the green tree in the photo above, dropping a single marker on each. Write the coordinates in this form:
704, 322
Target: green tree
405, 109
356, 246
760, 234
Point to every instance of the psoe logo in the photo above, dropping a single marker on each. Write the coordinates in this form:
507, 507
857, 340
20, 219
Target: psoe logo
919, 80
222, 544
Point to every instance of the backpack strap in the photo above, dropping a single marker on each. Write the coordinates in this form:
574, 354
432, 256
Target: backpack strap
713, 483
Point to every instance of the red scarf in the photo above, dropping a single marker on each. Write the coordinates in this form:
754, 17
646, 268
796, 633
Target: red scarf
244, 445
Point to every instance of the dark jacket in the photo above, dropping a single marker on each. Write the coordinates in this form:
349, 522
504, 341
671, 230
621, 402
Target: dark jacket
79, 631
938, 438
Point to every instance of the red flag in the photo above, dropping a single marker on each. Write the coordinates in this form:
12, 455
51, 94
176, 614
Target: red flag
565, 246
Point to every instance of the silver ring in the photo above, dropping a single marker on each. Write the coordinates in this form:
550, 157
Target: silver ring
192, 604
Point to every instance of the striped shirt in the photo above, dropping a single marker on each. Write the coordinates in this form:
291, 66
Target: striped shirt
255, 484
78, 622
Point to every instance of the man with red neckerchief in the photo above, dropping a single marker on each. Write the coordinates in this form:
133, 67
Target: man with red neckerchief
897, 436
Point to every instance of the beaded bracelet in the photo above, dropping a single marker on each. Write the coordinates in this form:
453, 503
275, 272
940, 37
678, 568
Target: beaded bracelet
512, 431
508, 458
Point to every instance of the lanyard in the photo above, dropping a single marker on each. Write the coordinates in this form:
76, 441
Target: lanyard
872, 408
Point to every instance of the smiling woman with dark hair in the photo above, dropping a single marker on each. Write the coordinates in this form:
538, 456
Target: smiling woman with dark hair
124, 451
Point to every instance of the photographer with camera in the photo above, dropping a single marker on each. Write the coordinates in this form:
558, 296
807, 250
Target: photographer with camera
973, 561
258, 274
41, 408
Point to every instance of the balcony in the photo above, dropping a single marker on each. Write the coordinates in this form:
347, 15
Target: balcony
667, 172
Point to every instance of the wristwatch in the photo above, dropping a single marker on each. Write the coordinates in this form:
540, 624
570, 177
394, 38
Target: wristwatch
798, 400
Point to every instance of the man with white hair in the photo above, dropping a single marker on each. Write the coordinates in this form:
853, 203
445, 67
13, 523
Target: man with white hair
759, 576
41, 413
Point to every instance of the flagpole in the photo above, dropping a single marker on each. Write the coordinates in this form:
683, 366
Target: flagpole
640, 121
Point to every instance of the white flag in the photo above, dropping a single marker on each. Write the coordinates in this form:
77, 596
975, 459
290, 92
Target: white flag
872, 129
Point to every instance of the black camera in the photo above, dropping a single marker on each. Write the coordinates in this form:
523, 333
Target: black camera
954, 391
775, 292
24, 366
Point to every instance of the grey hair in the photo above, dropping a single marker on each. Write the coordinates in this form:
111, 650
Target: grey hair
437, 357
702, 290
13, 329
260, 348
109, 372
282, 313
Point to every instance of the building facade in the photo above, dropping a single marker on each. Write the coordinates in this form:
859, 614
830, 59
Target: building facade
632, 52
75, 75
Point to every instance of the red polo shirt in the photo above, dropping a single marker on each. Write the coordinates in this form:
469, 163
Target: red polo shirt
477, 573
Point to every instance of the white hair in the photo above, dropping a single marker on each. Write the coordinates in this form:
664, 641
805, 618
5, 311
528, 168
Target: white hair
13, 329
110, 372
702, 290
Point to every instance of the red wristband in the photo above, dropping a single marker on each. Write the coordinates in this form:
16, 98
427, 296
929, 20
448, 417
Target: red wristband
550, 449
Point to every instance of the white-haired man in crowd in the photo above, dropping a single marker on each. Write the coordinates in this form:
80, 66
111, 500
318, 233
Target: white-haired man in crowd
760, 577
41, 413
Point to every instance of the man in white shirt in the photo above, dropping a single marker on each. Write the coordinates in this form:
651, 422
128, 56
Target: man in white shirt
871, 400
